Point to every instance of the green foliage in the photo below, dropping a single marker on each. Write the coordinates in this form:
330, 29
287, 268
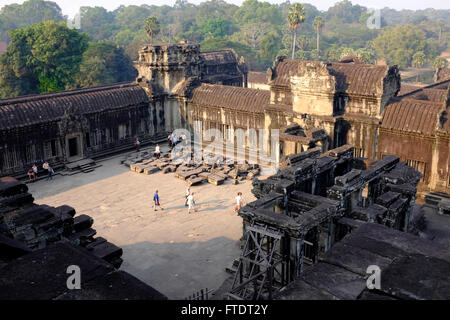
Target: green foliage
41, 58
419, 59
398, 44
256, 30
104, 63
97, 22
345, 12
216, 27
152, 26
15, 16
248, 53
296, 16
440, 63
254, 11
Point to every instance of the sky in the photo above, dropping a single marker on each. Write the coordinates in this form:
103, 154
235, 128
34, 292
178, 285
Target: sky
70, 7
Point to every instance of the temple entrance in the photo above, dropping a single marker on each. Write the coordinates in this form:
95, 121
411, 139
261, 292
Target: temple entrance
73, 147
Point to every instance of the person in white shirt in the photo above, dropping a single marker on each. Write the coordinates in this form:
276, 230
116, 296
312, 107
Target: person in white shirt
191, 203
157, 151
239, 202
137, 144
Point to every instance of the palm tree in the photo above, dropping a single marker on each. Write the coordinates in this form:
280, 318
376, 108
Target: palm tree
318, 25
296, 16
438, 64
418, 62
152, 27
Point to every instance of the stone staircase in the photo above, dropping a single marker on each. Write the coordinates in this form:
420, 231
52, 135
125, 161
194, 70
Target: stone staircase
81, 166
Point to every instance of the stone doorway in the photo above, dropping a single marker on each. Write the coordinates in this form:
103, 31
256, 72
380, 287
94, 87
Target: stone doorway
74, 148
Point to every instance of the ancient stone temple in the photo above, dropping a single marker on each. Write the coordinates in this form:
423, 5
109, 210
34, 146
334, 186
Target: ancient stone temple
71, 125
313, 203
311, 103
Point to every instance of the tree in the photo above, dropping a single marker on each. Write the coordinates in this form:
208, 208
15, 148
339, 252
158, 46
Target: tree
440, 63
152, 27
296, 17
398, 44
16, 16
269, 47
216, 27
345, 12
418, 61
41, 58
318, 25
104, 63
97, 22
366, 54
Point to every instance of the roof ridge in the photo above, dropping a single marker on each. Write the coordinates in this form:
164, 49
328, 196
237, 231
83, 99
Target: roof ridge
34, 97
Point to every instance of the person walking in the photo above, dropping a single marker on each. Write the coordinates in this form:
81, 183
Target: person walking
156, 201
239, 202
157, 152
188, 193
191, 203
50, 173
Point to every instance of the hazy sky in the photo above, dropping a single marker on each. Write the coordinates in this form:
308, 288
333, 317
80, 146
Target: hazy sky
70, 7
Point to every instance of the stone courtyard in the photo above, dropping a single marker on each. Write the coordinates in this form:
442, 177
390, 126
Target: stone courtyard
175, 252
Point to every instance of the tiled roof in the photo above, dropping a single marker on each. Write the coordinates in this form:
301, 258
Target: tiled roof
351, 77
218, 57
435, 95
28, 110
230, 97
257, 77
412, 115
407, 88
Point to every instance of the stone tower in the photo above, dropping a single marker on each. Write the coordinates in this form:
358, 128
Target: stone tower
162, 66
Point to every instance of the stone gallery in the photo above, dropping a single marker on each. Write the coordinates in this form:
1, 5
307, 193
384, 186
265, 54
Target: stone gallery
355, 149
312, 103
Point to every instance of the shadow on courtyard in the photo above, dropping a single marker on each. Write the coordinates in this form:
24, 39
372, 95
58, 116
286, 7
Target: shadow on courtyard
109, 168
180, 269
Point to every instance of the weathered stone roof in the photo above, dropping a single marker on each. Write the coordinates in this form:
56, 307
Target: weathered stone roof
28, 110
407, 88
257, 77
342, 272
229, 97
435, 95
360, 79
218, 57
413, 116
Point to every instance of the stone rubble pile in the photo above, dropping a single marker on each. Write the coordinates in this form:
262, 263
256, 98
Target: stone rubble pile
211, 169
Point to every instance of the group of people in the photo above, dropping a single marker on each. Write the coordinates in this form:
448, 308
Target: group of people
33, 171
190, 201
174, 140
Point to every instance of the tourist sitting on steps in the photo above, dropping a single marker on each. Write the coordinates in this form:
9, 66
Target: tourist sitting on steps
137, 145
157, 151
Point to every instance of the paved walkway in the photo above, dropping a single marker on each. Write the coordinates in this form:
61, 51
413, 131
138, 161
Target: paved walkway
175, 252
